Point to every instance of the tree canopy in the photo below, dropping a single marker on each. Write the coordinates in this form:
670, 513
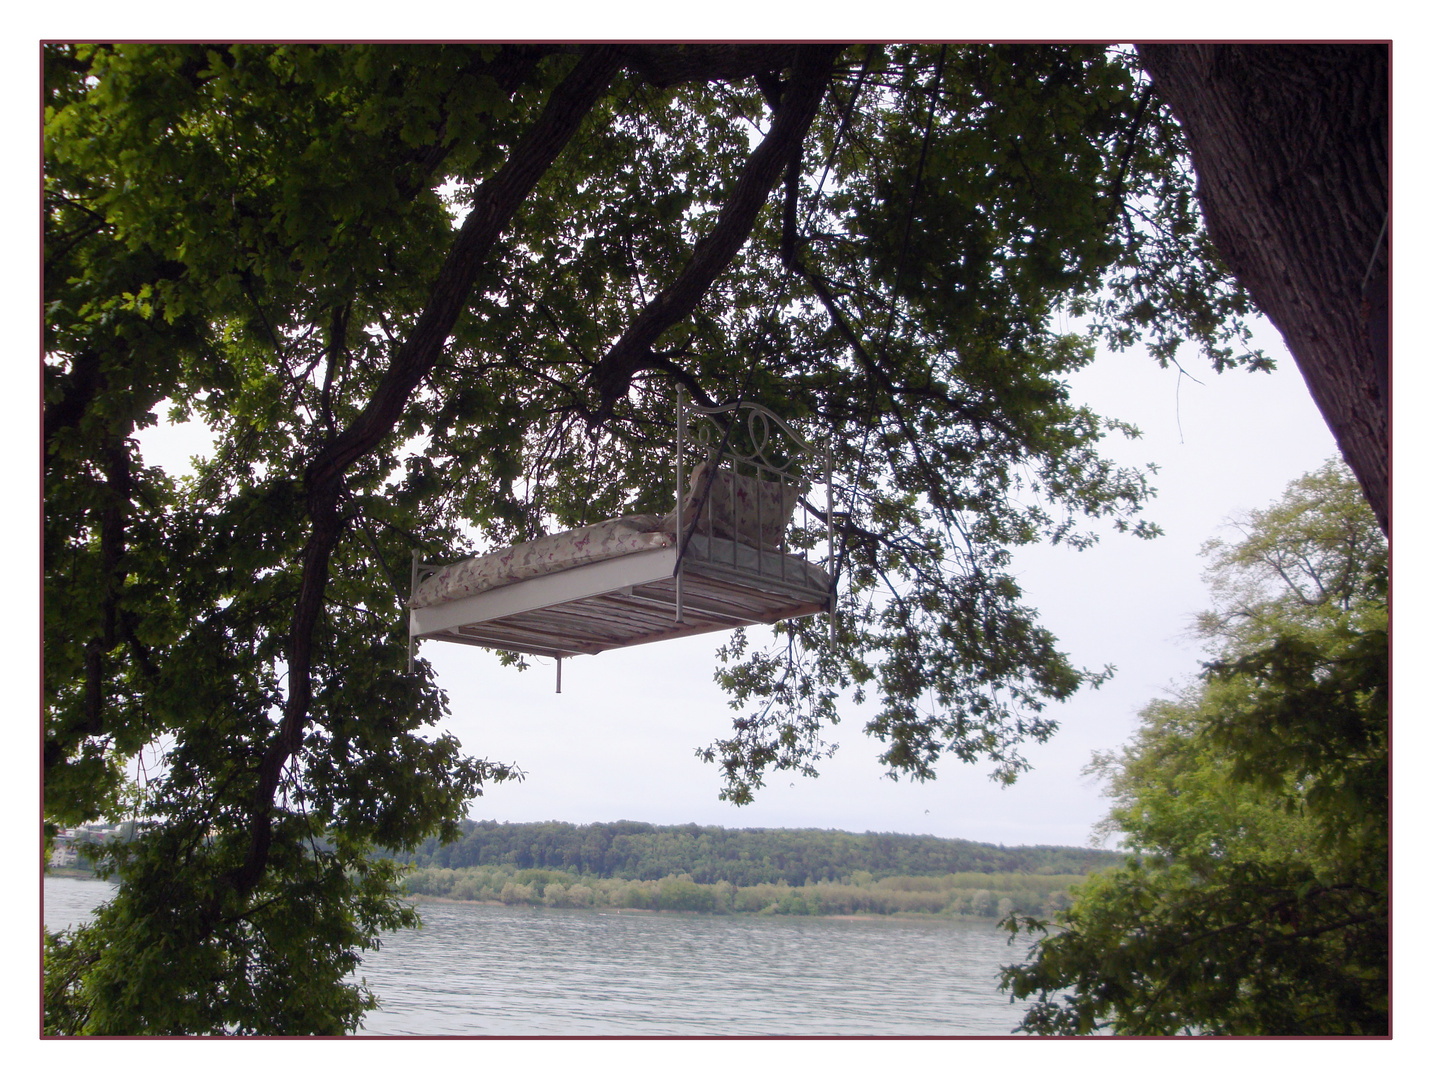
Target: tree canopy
1256, 806
441, 297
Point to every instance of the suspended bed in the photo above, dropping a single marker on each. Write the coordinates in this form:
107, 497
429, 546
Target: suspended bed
723, 559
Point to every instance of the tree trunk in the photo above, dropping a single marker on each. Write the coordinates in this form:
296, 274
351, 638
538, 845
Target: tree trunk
1290, 147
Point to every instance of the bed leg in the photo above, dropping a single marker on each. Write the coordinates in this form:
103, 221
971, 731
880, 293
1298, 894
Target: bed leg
559, 674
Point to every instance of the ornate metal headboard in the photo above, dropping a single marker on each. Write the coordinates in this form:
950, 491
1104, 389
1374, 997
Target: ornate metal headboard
749, 439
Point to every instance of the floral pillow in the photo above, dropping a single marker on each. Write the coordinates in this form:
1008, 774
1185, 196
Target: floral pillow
763, 508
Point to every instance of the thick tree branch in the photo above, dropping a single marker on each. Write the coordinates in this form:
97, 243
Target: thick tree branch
114, 497
509, 69
683, 376
78, 388
800, 99
73, 392
494, 205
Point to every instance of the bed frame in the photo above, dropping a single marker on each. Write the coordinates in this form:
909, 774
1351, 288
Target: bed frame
695, 587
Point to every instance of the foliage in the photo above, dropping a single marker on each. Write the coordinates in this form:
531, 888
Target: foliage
630, 849
1256, 805
973, 895
438, 296
284, 961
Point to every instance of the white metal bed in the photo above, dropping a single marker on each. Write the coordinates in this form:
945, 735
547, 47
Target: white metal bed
720, 561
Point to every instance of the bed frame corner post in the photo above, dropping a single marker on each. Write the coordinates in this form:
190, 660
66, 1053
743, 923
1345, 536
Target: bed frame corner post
412, 588
831, 539
680, 511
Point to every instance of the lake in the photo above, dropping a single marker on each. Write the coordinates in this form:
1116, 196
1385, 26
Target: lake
487, 970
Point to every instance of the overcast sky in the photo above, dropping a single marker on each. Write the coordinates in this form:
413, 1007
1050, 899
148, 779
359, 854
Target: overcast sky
619, 741
1127, 602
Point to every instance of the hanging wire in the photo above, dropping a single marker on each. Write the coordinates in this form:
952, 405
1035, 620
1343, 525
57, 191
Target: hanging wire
871, 51
367, 531
891, 312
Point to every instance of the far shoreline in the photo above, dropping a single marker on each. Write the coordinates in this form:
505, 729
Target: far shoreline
71, 874
865, 916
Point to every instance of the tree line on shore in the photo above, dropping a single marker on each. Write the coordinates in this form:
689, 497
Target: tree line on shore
964, 894
740, 857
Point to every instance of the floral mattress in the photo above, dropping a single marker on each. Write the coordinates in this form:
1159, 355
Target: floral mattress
595, 543
739, 511
545, 555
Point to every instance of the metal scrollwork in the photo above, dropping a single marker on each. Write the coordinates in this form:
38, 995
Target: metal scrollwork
776, 452
775, 448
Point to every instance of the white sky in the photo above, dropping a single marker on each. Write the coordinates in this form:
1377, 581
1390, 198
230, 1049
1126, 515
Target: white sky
619, 741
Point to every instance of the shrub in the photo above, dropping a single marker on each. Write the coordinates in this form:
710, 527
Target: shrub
514, 893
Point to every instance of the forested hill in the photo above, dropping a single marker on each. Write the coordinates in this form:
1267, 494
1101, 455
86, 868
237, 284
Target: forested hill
634, 850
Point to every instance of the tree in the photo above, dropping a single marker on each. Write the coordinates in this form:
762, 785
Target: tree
424, 295
1256, 806
1290, 143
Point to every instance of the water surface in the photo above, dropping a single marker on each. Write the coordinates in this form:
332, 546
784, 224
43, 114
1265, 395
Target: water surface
482, 970
68, 901
475, 969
